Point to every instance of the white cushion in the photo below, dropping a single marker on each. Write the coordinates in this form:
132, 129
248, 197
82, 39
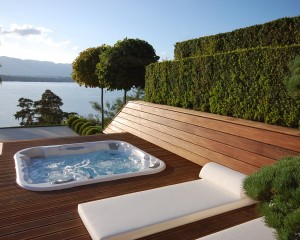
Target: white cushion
226, 178
252, 230
143, 213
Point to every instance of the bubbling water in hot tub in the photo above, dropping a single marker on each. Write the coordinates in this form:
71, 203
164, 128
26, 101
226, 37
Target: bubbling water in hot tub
57, 169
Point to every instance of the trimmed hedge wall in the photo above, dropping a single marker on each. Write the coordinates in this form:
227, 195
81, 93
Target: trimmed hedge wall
246, 84
281, 32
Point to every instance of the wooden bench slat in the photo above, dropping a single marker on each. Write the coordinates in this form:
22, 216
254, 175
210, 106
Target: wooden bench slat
285, 142
181, 147
259, 125
213, 145
253, 148
203, 152
250, 132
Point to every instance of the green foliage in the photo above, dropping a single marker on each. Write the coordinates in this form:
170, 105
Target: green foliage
84, 66
84, 69
122, 67
45, 111
277, 187
84, 126
281, 32
84, 131
78, 125
27, 113
48, 109
112, 109
73, 124
293, 80
70, 120
93, 130
246, 84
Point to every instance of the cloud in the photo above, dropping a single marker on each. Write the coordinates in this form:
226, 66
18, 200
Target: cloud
24, 30
32, 34
32, 42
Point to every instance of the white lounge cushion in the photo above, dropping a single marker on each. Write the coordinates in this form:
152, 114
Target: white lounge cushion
143, 213
252, 230
226, 178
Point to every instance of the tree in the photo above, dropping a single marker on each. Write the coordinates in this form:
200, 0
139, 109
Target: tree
122, 67
84, 67
48, 109
43, 112
27, 113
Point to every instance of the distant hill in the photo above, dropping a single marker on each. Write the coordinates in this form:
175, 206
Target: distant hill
9, 78
33, 68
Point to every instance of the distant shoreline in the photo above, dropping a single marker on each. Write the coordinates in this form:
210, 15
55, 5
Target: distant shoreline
8, 78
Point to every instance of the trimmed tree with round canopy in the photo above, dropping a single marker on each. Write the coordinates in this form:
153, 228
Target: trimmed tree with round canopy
84, 67
122, 66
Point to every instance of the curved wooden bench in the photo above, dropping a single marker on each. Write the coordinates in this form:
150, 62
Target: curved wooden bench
204, 137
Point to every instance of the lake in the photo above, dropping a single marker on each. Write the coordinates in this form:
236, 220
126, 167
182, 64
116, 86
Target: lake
75, 98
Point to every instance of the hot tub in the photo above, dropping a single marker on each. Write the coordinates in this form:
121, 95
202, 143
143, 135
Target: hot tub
47, 168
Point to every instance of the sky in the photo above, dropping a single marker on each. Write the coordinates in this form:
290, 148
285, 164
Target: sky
58, 30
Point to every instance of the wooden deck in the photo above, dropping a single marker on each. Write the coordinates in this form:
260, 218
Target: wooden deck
53, 215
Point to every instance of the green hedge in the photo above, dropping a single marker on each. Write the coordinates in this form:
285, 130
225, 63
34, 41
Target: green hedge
246, 84
281, 32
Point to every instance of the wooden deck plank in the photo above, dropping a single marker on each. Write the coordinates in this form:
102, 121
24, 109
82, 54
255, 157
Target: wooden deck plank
53, 215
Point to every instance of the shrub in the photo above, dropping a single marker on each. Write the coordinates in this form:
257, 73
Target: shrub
84, 126
85, 130
70, 120
78, 125
75, 122
93, 130
277, 187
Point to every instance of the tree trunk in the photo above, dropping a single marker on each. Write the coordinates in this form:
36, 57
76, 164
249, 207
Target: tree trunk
124, 99
102, 109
